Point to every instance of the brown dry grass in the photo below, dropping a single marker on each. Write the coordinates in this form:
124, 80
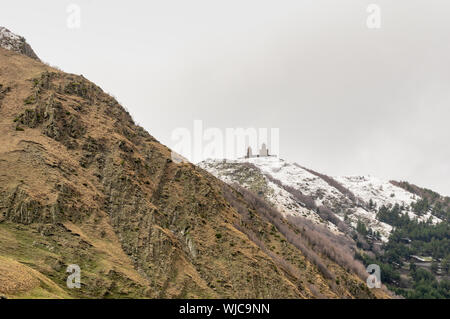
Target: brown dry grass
22, 281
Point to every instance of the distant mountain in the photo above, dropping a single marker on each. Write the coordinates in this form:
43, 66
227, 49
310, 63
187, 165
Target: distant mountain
385, 222
82, 184
373, 214
16, 43
295, 190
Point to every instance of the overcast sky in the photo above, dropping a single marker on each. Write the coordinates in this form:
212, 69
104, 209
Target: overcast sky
348, 100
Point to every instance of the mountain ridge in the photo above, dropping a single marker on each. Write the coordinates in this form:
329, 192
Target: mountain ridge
383, 222
82, 184
16, 43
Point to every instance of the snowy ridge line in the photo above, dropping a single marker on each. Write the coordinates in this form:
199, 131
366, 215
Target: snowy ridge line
381, 192
311, 210
306, 200
300, 179
13, 42
420, 191
329, 201
334, 183
286, 199
384, 193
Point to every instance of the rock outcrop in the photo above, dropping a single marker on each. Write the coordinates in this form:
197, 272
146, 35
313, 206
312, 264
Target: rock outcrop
16, 43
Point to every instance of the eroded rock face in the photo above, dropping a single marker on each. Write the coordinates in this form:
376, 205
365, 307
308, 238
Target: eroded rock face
16, 43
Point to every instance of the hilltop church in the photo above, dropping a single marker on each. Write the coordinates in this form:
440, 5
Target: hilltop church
263, 152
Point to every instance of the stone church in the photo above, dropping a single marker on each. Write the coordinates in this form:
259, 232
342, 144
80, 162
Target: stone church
263, 152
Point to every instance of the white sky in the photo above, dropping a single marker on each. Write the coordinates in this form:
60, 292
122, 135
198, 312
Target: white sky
348, 100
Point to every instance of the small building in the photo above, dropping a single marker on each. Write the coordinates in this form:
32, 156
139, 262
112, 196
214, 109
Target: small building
249, 153
263, 152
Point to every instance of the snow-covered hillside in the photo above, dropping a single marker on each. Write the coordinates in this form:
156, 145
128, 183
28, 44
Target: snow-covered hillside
350, 199
382, 192
13, 42
379, 191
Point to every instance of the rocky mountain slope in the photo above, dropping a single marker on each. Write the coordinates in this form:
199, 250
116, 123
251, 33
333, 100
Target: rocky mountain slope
402, 228
81, 183
298, 191
16, 43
